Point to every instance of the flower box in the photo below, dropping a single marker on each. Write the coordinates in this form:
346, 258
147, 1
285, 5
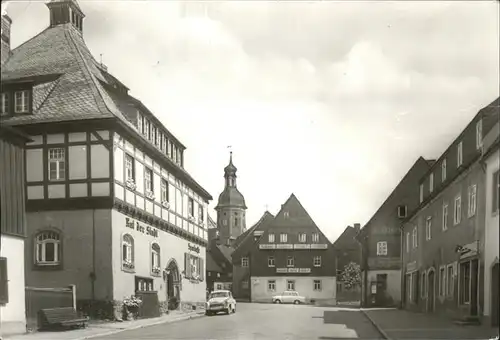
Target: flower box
130, 184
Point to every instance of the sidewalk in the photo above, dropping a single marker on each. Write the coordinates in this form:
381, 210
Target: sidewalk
98, 329
401, 324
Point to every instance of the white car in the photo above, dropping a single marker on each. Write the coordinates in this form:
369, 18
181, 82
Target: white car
289, 296
220, 301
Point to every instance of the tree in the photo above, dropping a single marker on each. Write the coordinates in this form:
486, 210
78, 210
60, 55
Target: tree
351, 275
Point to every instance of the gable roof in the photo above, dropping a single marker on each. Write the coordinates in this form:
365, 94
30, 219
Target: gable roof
265, 219
346, 238
421, 165
212, 265
226, 251
70, 85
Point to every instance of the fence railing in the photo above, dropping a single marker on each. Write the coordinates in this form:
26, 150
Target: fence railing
41, 298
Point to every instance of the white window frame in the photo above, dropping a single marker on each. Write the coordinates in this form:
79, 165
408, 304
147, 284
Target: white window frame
445, 217
129, 167
431, 182
57, 157
271, 238
286, 214
271, 261
479, 133
315, 237
423, 284
283, 237
317, 285
42, 239
21, 102
457, 210
271, 285
302, 237
443, 170
495, 195
382, 248
4, 103
290, 261
155, 256
290, 285
421, 192
472, 201
244, 262
201, 213
317, 261
148, 179
459, 154
407, 241
164, 190
128, 253
415, 237
428, 228
191, 207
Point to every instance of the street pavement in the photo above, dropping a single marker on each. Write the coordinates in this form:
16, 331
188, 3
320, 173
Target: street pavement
264, 321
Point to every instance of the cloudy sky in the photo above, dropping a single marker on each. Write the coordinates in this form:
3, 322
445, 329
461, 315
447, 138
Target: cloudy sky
333, 101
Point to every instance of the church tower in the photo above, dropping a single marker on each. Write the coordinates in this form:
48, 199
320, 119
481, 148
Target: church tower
231, 220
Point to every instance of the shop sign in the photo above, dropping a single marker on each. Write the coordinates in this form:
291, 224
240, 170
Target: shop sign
191, 247
135, 225
301, 246
319, 246
293, 270
267, 246
284, 246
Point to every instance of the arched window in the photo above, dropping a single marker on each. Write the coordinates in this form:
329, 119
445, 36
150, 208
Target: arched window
128, 251
48, 248
155, 258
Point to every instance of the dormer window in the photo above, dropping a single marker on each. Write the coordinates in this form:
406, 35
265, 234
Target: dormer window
4, 103
459, 154
21, 104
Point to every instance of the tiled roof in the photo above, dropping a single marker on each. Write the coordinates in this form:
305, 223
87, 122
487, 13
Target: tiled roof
69, 83
226, 251
266, 218
212, 266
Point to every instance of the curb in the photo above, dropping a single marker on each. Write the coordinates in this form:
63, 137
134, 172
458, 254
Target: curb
183, 318
380, 330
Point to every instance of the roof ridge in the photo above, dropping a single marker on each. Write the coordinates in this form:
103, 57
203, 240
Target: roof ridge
88, 74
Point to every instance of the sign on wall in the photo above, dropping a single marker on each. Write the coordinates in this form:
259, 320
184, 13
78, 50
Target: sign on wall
193, 248
298, 246
135, 225
293, 270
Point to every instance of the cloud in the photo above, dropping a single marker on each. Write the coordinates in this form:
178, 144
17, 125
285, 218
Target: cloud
333, 101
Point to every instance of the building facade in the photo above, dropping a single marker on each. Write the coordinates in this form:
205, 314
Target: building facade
443, 258
380, 241
13, 231
347, 250
245, 245
104, 177
291, 254
491, 159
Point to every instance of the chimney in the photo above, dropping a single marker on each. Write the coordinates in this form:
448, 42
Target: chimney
6, 24
357, 227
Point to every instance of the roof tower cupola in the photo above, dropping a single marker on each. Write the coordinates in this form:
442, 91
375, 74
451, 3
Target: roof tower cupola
66, 12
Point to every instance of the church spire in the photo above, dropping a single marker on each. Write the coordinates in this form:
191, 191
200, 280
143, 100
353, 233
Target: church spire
66, 12
230, 172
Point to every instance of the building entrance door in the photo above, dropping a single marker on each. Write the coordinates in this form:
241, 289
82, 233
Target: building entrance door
172, 282
495, 283
474, 287
430, 291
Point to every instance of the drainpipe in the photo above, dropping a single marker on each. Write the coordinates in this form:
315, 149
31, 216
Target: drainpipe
92, 274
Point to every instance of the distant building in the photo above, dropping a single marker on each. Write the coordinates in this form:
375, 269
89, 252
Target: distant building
231, 224
347, 250
290, 253
105, 178
443, 248
491, 158
246, 244
380, 240
12, 230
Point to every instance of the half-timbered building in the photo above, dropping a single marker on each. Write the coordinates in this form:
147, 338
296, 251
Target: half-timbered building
291, 253
12, 231
111, 207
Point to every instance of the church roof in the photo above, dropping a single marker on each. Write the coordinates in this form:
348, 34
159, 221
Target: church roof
231, 196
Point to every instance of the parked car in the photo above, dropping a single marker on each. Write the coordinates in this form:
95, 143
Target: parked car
220, 301
289, 296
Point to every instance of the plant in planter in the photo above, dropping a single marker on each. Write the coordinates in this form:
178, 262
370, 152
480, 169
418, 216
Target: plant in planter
173, 303
132, 306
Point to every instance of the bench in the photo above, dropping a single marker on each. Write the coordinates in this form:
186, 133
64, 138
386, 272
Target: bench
60, 317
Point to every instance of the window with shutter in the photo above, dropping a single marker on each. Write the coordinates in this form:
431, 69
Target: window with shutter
202, 270
187, 265
4, 281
